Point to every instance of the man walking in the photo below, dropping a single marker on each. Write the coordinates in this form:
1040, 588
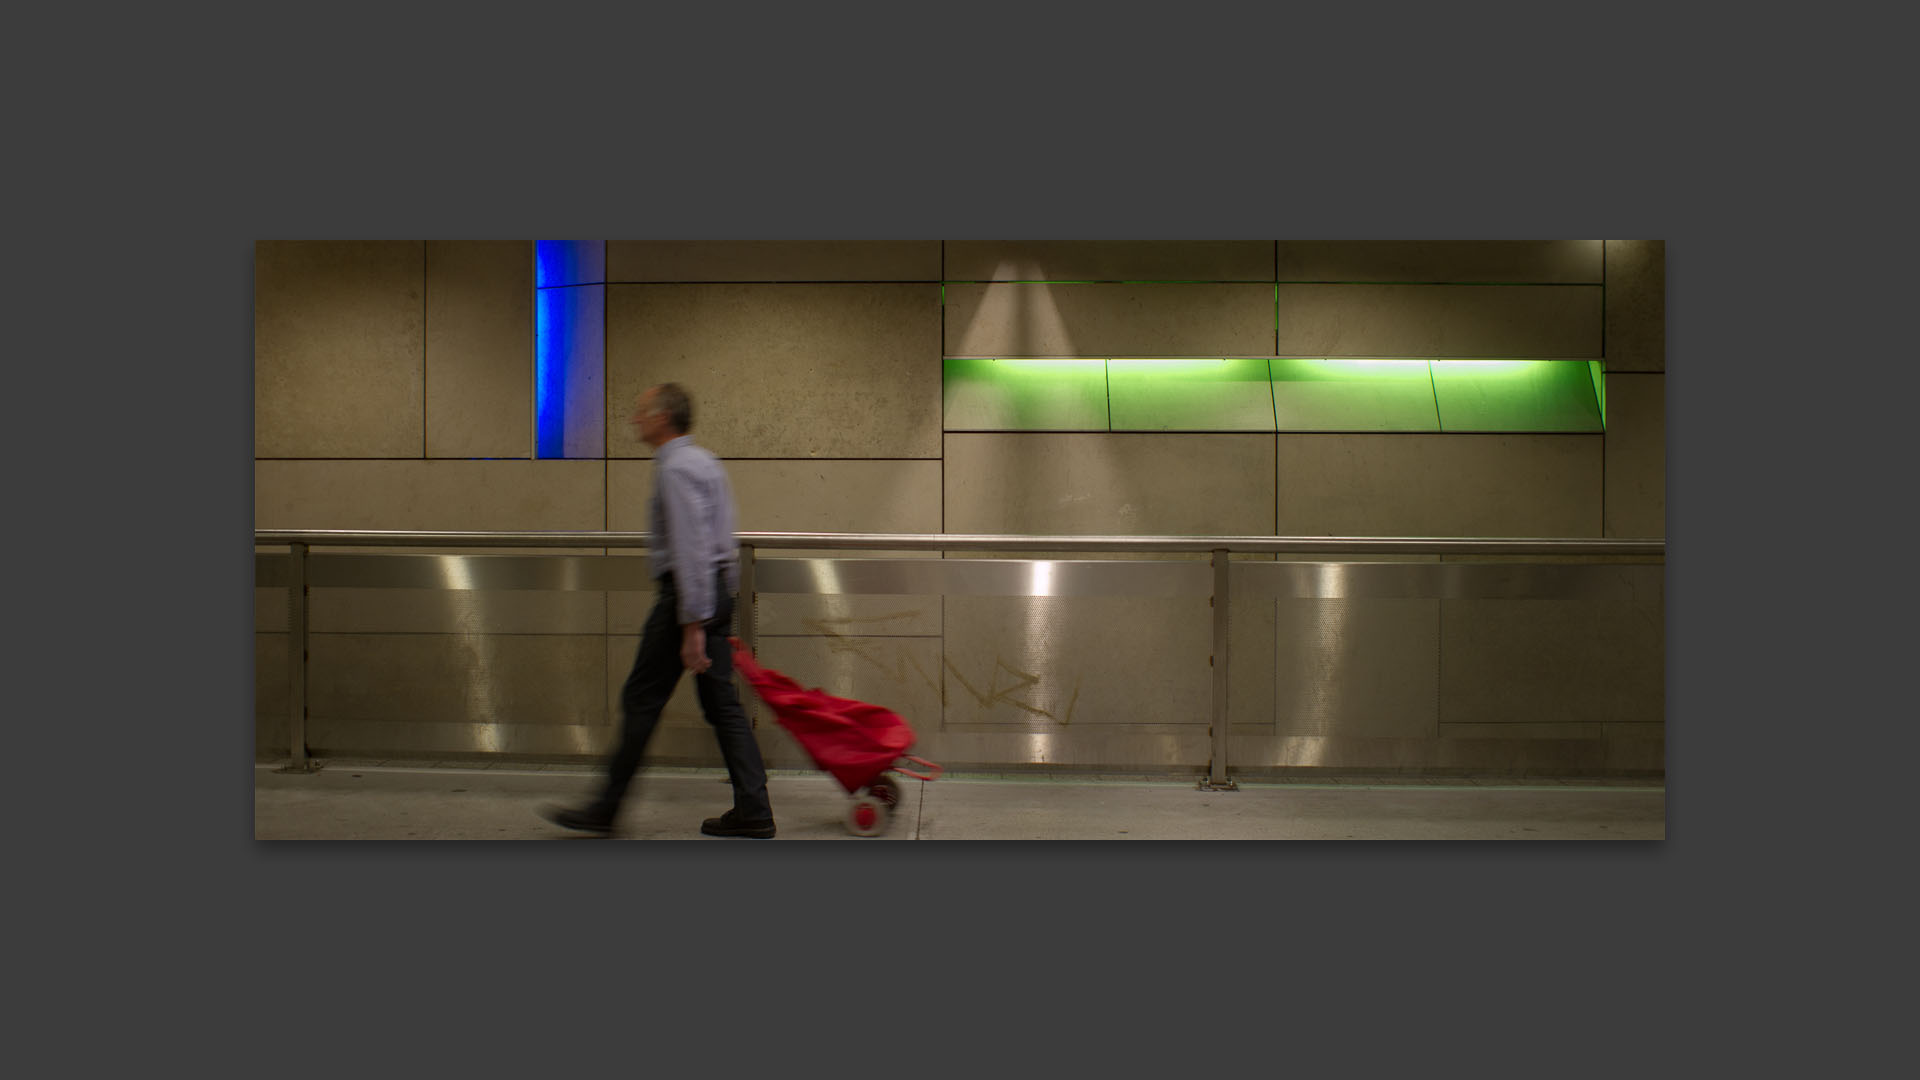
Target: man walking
695, 561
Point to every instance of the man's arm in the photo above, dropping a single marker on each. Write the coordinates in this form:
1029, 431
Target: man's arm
686, 510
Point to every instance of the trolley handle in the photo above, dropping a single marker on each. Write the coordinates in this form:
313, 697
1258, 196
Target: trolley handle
937, 770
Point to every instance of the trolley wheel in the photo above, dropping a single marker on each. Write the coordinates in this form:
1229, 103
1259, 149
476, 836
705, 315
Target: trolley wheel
867, 816
886, 790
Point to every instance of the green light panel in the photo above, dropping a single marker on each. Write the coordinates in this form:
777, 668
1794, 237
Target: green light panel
1025, 395
1230, 394
1353, 395
1600, 387
1283, 393
1515, 395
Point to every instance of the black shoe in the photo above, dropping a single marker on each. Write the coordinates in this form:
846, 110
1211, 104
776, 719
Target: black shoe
583, 820
728, 824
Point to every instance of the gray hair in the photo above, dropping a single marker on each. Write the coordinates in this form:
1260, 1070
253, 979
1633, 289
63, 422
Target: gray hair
673, 399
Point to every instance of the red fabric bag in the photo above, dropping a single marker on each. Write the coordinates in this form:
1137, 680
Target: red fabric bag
853, 740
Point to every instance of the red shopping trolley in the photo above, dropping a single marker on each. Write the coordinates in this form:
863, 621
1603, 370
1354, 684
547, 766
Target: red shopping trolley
858, 743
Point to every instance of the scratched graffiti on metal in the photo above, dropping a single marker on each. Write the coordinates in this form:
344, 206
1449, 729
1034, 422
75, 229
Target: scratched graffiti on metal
868, 648
995, 694
836, 633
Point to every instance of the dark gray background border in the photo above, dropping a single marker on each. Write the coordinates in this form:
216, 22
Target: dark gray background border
170, 153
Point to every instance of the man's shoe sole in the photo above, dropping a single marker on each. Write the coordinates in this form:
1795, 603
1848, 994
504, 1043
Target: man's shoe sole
762, 832
566, 819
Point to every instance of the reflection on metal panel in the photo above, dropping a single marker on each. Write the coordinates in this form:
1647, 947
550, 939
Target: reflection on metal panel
1353, 395
455, 611
1254, 753
1515, 395
454, 739
984, 577
1357, 667
1500, 667
1595, 657
461, 572
787, 614
1117, 750
1050, 662
1233, 394
1025, 395
483, 679
1454, 580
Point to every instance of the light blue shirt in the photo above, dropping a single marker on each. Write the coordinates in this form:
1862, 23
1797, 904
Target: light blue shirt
690, 525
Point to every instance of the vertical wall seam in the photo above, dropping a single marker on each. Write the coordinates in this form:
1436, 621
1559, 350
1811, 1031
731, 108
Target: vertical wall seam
425, 277
533, 361
942, 665
1603, 376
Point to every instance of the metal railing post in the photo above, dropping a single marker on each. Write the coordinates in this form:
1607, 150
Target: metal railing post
747, 617
297, 658
1217, 773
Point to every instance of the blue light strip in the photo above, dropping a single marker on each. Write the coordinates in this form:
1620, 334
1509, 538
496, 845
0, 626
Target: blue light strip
559, 265
553, 334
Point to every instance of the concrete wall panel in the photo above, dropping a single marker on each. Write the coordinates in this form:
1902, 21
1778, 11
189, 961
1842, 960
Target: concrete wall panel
773, 260
1636, 316
1636, 455
1098, 260
429, 495
1010, 319
1475, 321
1560, 262
479, 358
339, 346
1116, 484
783, 371
1439, 485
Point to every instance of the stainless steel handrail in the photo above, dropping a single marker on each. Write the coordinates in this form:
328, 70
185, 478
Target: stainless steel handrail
1338, 545
300, 541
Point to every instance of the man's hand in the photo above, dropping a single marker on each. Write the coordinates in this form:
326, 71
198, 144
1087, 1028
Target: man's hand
693, 648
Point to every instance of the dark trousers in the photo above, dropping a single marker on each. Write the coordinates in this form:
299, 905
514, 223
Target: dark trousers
656, 671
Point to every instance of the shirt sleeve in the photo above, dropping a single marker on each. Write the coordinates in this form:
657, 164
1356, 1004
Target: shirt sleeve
690, 520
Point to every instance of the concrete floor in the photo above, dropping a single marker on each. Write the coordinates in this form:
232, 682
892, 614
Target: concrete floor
387, 801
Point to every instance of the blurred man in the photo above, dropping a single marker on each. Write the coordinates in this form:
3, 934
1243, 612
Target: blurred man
695, 560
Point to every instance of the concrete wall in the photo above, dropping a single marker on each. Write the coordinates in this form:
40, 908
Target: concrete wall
394, 389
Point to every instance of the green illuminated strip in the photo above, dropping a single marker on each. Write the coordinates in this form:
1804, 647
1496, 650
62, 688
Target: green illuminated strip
1043, 394
1515, 395
1353, 394
1190, 394
1345, 394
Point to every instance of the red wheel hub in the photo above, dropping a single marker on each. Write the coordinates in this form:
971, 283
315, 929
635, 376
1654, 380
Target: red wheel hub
863, 816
